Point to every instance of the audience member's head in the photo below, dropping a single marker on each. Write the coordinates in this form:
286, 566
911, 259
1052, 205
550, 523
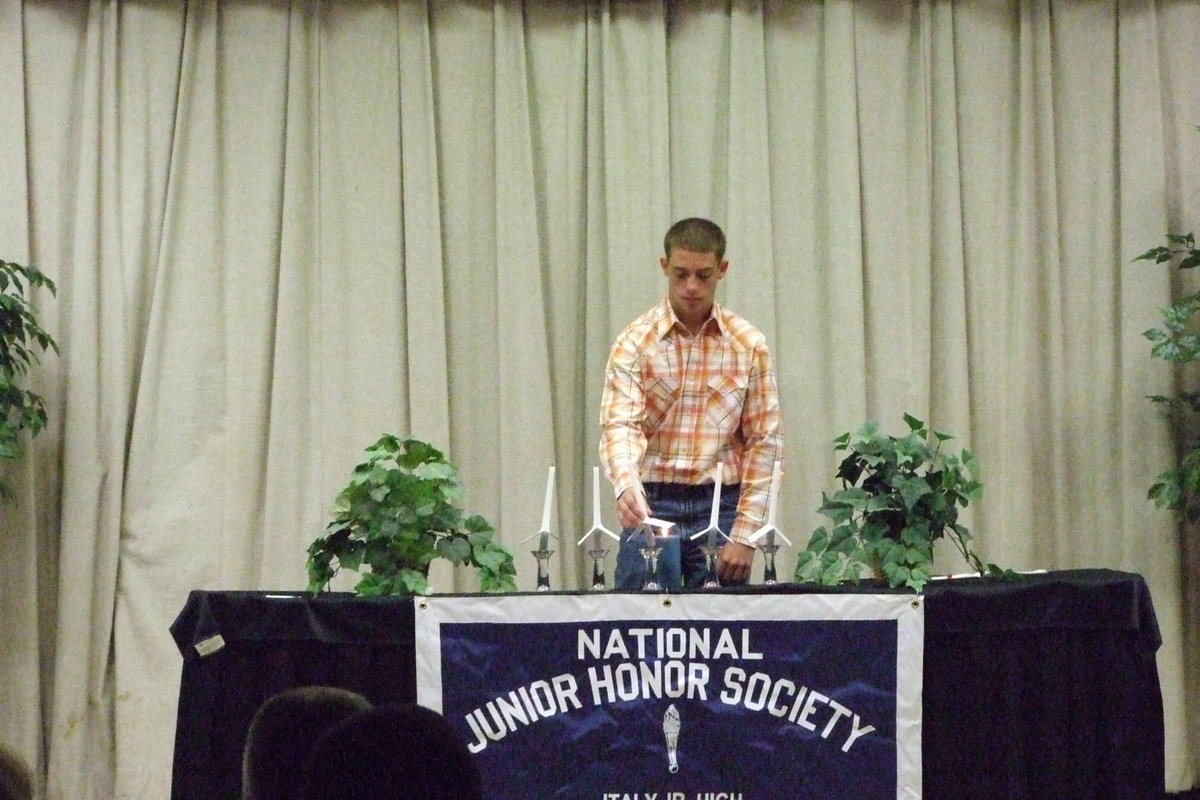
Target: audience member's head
281, 733
16, 783
392, 752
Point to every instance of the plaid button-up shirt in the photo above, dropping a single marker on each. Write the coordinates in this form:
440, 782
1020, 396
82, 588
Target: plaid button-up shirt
676, 405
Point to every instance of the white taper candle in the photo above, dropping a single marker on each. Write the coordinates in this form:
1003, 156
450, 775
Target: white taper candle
549, 498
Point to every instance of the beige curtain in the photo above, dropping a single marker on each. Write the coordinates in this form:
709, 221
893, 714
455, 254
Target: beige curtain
281, 229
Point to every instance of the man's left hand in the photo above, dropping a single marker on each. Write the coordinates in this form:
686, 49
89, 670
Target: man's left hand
734, 562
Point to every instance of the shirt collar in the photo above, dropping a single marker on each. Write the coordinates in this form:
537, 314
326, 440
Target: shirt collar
667, 321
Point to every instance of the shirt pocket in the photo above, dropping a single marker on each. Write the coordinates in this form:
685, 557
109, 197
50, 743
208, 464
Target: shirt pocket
726, 395
661, 394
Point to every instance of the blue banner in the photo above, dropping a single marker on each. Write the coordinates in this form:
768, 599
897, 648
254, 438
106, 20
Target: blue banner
721, 697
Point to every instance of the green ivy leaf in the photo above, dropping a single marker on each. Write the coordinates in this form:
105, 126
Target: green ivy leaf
832, 574
417, 452
410, 581
370, 585
436, 471
385, 449
497, 582
818, 541
477, 525
492, 557
912, 489
454, 548
350, 557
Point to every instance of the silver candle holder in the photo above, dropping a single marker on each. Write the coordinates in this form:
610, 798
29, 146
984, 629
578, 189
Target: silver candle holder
597, 551
713, 534
543, 551
651, 549
769, 531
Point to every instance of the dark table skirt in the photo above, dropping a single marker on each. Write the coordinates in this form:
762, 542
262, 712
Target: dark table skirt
1044, 687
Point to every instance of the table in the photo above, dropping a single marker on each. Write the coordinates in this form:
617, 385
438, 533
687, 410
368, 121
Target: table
1044, 686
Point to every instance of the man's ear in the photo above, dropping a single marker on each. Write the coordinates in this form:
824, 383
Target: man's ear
662, 261
721, 269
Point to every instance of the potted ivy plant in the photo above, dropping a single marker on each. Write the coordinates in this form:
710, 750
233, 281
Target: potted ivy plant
21, 340
898, 495
1177, 342
400, 511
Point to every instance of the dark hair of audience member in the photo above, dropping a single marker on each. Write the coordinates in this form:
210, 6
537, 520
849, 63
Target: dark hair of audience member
397, 751
281, 733
16, 782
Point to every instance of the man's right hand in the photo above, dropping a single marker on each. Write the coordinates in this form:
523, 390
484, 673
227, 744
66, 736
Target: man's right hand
632, 508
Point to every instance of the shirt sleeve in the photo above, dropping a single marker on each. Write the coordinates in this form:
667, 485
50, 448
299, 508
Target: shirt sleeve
622, 409
760, 426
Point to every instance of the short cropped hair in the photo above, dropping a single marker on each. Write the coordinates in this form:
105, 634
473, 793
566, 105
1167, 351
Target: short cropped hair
281, 733
696, 234
398, 751
16, 783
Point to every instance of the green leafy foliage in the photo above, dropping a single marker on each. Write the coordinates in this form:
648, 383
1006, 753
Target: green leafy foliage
399, 511
1177, 341
898, 495
21, 340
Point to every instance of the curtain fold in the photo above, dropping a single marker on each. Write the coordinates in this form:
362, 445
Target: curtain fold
423, 229
281, 229
26, 582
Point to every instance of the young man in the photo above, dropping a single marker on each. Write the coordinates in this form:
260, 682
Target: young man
689, 387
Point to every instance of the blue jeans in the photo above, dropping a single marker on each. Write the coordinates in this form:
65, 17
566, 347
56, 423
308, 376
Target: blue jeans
681, 563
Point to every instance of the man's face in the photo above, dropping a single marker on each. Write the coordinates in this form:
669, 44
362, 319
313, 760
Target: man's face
692, 283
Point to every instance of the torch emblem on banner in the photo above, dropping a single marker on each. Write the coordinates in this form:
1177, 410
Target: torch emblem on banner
671, 731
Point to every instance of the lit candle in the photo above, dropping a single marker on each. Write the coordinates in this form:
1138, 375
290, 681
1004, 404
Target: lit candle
650, 523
